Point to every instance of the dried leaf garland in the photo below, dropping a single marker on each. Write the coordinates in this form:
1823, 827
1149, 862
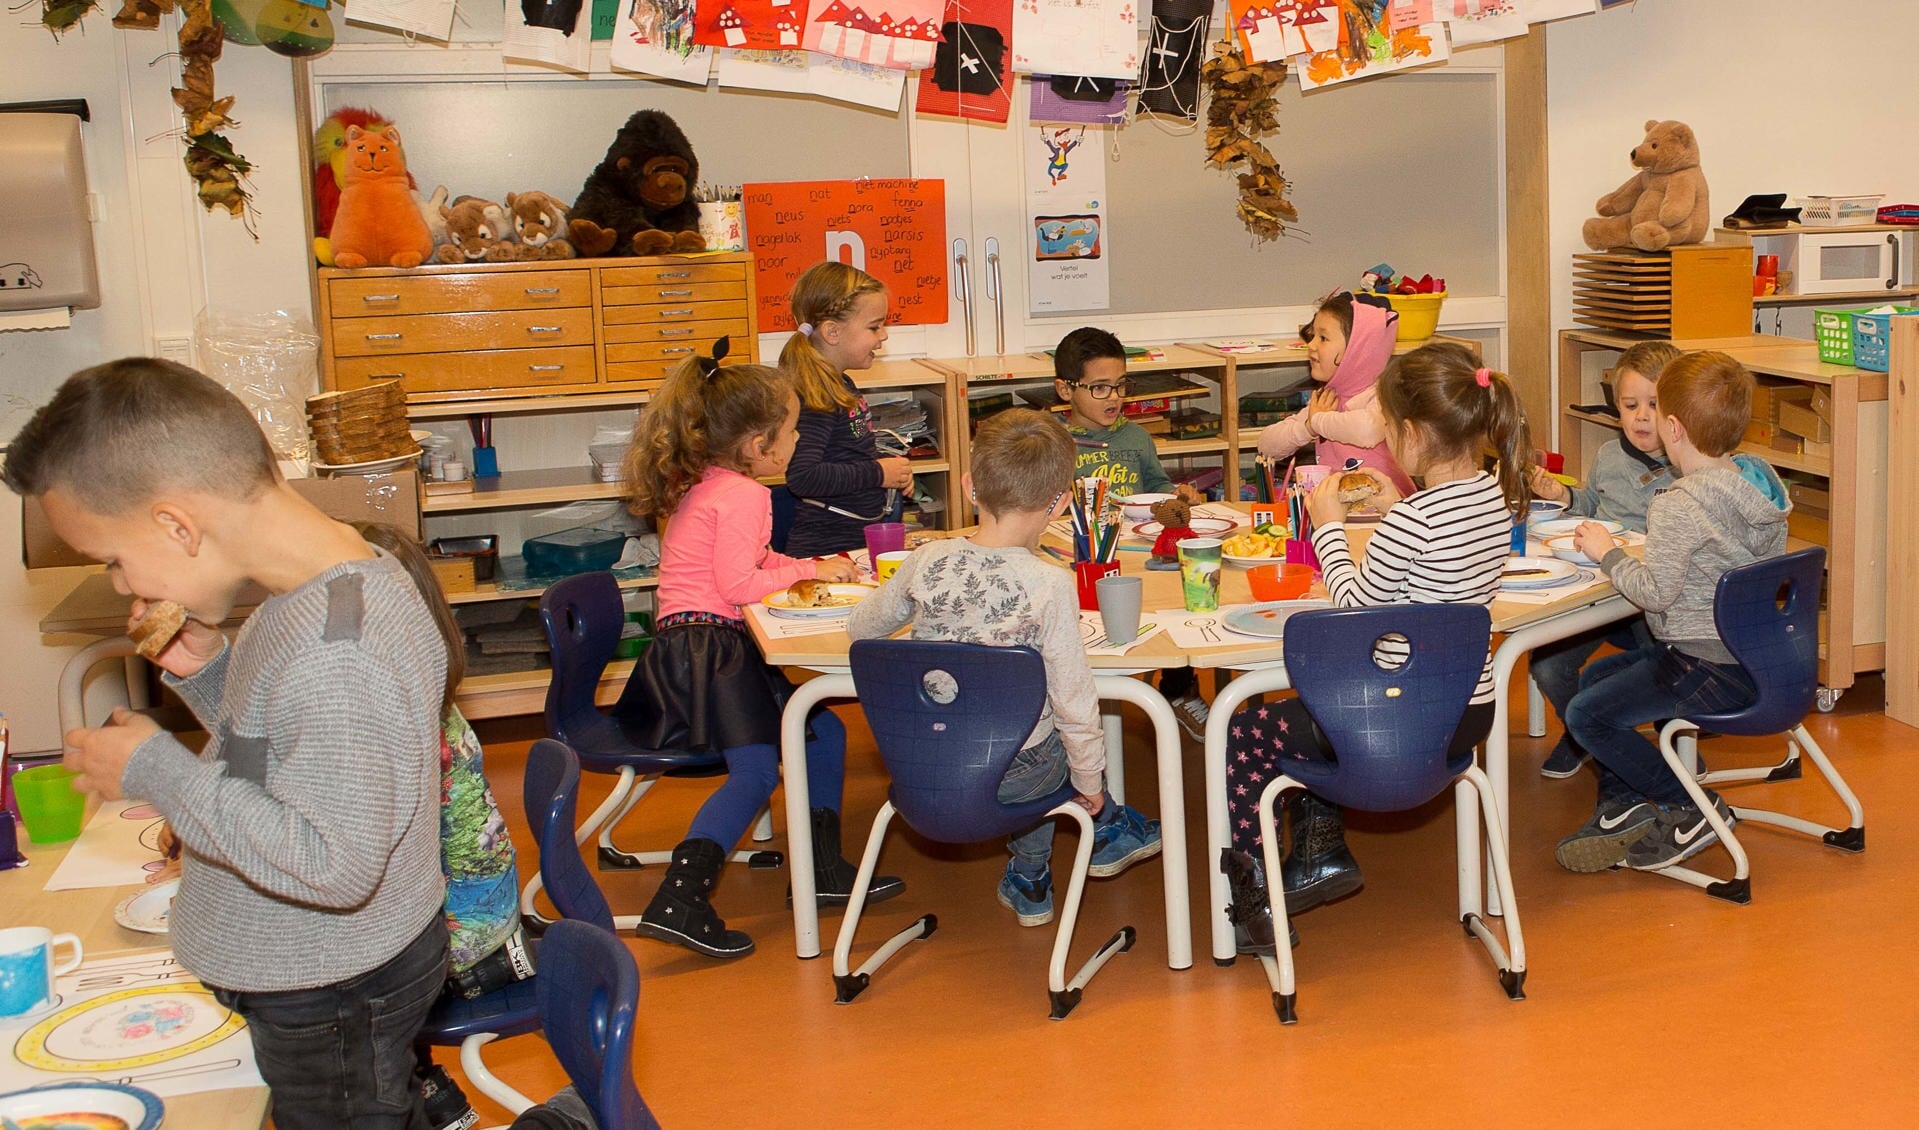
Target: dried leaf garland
62, 15
1241, 107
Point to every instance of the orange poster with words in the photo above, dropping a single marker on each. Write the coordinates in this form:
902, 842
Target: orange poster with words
894, 230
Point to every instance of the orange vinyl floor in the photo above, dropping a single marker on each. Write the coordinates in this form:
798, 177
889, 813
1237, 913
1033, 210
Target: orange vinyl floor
1648, 1003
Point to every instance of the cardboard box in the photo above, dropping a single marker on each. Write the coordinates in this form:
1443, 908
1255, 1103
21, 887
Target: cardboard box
1788, 443
1798, 418
1765, 398
1761, 432
1810, 497
393, 498
1806, 527
1822, 404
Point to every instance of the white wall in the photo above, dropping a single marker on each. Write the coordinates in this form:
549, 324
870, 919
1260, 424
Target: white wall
1783, 97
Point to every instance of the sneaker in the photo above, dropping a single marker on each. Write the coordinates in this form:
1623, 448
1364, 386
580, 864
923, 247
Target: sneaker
1123, 841
1679, 835
1192, 712
1603, 841
1030, 900
1564, 761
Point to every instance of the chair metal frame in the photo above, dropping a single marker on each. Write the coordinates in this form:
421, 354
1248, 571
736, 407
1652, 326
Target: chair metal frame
1018, 678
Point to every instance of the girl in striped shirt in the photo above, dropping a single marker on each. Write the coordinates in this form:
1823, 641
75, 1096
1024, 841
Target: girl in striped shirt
1444, 543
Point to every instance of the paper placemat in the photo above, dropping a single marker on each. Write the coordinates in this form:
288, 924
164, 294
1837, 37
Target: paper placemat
779, 627
1205, 629
1093, 634
120, 847
1590, 579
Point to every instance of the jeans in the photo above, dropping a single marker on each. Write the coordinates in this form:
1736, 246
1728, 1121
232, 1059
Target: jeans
752, 771
1622, 692
1555, 666
342, 1055
1036, 771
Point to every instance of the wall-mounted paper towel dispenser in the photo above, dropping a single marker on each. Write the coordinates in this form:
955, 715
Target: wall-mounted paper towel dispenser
46, 242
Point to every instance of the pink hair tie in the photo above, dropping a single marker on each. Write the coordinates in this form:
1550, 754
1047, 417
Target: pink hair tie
805, 329
1484, 377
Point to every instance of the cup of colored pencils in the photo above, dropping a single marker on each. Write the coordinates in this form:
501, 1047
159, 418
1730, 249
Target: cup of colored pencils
1095, 538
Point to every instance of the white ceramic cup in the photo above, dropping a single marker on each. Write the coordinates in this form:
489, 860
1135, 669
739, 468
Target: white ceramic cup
27, 968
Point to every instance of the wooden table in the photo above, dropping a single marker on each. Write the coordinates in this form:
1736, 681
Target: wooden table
88, 913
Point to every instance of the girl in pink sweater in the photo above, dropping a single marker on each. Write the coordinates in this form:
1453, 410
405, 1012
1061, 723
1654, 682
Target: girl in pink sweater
1348, 344
698, 452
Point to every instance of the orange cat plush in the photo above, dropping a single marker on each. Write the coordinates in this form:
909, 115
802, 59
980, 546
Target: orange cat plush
378, 223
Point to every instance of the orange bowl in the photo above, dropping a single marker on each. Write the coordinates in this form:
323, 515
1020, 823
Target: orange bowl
1279, 582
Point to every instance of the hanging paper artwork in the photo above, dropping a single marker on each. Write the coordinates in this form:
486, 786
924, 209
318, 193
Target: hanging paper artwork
431, 19
904, 33
655, 37
1411, 13
801, 72
1366, 48
1539, 11
1067, 262
1079, 99
1278, 29
894, 230
763, 25
1175, 45
536, 37
969, 77
1482, 21
1099, 38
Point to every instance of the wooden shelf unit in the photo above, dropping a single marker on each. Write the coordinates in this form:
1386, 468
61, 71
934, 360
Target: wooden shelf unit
1854, 632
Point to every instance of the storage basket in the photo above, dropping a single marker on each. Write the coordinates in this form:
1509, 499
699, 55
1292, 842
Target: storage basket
1832, 329
1418, 314
1872, 338
1838, 211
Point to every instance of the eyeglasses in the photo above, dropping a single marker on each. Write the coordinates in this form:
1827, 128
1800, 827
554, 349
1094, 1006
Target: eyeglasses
1105, 392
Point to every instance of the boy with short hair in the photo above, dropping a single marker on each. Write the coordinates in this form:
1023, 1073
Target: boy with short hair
1720, 515
993, 589
310, 891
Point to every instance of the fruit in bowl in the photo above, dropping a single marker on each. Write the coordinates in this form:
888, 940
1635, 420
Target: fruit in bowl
1250, 545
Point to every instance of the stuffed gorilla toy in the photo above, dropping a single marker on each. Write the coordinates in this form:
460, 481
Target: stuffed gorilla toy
639, 199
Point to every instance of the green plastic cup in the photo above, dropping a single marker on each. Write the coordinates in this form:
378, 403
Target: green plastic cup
49, 804
1199, 573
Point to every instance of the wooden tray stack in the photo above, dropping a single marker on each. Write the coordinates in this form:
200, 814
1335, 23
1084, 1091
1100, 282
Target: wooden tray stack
360, 425
1687, 293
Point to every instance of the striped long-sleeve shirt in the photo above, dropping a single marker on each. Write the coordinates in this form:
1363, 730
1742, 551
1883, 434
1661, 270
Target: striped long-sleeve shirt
1443, 545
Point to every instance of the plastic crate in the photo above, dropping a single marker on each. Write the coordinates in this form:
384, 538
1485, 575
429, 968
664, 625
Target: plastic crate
1839, 211
1832, 329
1872, 338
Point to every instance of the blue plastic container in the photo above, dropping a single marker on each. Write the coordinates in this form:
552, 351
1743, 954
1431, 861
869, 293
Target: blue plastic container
563, 553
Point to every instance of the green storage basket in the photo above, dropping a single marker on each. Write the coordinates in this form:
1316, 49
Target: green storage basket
1832, 329
633, 643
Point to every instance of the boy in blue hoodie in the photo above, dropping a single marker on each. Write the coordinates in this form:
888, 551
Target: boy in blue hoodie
1723, 513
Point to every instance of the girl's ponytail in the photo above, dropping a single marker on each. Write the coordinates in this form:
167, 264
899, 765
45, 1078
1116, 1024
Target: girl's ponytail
825, 293
695, 420
1510, 439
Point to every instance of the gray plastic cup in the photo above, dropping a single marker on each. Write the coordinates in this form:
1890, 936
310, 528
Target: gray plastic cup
1119, 607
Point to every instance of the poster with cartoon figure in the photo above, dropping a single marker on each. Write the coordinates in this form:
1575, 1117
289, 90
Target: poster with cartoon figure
1067, 256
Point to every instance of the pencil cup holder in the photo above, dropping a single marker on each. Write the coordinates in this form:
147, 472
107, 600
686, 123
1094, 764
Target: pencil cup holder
486, 462
1299, 551
1087, 574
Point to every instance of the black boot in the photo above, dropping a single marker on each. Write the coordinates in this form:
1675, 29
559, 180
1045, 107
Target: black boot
1250, 911
1319, 868
833, 876
680, 912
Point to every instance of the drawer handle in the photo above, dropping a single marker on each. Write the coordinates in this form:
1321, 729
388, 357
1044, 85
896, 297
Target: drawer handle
544, 368
676, 274
379, 298
676, 293
545, 329
676, 333
383, 337
678, 349
676, 313
543, 290
385, 376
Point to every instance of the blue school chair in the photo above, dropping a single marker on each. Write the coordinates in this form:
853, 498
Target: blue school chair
948, 719
588, 998
1768, 615
1389, 728
582, 616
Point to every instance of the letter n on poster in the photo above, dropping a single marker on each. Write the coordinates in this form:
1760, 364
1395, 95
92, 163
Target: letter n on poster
894, 230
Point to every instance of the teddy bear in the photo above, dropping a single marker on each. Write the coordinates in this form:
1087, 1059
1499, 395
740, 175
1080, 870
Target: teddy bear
1175, 517
639, 199
539, 225
378, 223
1664, 204
477, 231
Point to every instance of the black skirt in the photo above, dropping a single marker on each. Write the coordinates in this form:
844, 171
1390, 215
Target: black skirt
703, 687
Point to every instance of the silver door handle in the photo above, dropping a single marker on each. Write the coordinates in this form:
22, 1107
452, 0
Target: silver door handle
998, 294
963, 281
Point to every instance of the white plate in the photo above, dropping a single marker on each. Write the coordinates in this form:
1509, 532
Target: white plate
1564, 548
1559, 527
1252, 562
1202, 527
147, 911
1139, 507
372, 467
775, 603
1551, 572
1268, 620
134, 1108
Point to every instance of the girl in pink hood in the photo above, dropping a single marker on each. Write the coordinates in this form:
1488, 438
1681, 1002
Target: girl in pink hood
1348, 344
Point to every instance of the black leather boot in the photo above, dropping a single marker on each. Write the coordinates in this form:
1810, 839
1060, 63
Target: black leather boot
833, 876
1250, 911
1319, 868
680, 912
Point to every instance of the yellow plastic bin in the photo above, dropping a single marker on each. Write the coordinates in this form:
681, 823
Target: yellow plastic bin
1418, 314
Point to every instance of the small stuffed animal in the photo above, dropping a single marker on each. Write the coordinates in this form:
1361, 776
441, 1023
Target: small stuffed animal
477, 231
1175, 516
1664, 204
639, 199
378, 224
539, 224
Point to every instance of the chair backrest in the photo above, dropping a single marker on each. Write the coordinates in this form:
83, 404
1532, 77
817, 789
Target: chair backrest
785, 507
582, 615
1389, 729
947, 752
1768, 616
551, 792
589, 989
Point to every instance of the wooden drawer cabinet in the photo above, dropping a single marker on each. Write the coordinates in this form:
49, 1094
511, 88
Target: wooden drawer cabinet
353, 296
675, 274
699, 332
674, 294
442, 333
503, 371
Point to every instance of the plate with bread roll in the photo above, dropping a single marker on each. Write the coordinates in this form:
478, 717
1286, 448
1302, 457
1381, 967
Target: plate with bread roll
815, 600
1537, 573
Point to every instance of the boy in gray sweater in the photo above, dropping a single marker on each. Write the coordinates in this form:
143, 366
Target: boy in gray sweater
310, 887
1720, 515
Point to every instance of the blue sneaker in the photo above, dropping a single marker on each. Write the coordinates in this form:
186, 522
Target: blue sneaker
1122, 841
1031, 900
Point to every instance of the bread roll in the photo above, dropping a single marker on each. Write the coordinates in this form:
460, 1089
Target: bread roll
156, 629
1356, 487
808, 593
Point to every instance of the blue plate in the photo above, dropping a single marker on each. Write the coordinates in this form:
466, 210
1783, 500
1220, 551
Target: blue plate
1269, 620
138, 1109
